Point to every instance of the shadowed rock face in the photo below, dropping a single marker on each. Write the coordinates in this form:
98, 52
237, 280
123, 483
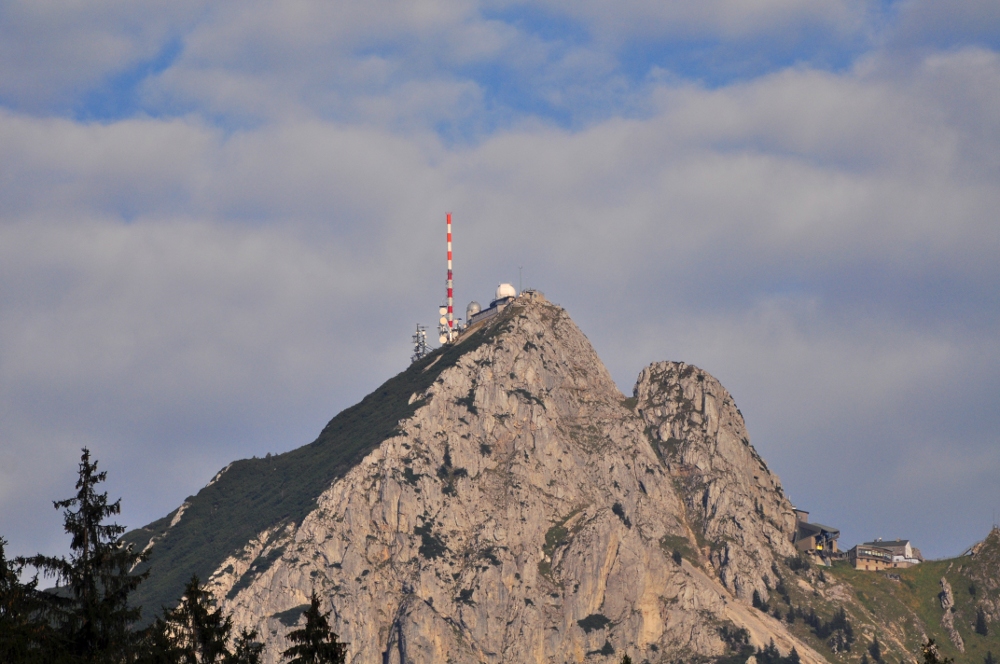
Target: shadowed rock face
528, 512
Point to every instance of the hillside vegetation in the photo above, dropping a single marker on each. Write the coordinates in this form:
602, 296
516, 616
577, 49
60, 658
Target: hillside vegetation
901, 607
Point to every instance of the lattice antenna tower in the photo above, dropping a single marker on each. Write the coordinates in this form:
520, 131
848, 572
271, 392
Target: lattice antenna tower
420, 348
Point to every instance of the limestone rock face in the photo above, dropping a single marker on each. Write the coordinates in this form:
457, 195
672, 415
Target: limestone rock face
983, 572
948, 619
529, 512
735, 505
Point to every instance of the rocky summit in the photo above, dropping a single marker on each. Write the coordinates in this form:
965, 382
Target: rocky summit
503, 501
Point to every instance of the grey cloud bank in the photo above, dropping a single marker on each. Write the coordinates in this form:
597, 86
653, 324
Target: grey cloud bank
217, 275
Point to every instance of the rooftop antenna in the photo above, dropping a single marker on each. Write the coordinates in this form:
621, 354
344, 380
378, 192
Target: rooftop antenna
519, 289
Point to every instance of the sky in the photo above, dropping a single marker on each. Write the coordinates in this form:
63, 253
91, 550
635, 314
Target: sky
221, 222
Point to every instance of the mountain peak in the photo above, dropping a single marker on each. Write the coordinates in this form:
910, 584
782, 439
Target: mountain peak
502, 501
733, 500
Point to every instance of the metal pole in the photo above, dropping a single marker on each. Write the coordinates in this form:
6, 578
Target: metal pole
451, 300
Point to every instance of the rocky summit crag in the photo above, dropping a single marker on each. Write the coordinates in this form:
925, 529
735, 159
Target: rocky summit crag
502, 501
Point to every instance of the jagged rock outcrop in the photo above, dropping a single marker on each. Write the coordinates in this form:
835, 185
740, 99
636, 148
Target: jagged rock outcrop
983, 573
737, 508
526, 511
948, 619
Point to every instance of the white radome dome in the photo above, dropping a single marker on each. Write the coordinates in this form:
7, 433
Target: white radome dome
505, 290
473, 309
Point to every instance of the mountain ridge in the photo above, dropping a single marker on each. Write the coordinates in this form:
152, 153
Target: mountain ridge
512, 505
521, 512
249, 496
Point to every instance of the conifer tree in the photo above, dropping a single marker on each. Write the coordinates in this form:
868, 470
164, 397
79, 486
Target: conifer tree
197, 631
875, 649
989, 658
246, 648
769, 654
22, 629
981, 627
160, 646
91, 613
315, 643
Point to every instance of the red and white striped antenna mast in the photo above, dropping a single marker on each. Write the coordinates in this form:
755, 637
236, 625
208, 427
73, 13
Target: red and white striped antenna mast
451, 293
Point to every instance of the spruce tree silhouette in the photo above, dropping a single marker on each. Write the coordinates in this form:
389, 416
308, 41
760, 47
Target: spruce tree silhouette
196, 630
22, 629
90, 611
981, 627
246, 648
315, 643
875, 649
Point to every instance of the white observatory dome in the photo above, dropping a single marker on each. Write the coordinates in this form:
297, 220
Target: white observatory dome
505, 290
472, 310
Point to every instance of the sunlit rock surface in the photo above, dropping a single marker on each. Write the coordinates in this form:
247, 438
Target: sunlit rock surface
529, 512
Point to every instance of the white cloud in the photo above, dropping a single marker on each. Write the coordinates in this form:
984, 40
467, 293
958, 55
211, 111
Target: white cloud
692, 19
171, 290
51, 52
923, 24
159, 341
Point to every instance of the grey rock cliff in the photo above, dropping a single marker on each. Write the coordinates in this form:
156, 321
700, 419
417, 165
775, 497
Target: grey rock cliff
948, 619
528, 512
735, 506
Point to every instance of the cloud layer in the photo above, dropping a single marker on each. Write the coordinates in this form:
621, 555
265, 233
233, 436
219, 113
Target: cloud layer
222, 221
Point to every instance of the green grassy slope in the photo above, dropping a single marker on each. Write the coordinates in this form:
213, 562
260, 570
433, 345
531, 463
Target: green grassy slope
255, 494
901, 607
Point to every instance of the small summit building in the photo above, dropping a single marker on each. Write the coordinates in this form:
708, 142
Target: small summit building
474, 313
882, 554
814, 538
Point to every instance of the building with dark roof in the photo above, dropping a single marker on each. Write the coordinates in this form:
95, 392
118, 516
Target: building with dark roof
814, 538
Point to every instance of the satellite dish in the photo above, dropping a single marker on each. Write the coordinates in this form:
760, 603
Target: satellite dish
442, 310
443, 321
443, 338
